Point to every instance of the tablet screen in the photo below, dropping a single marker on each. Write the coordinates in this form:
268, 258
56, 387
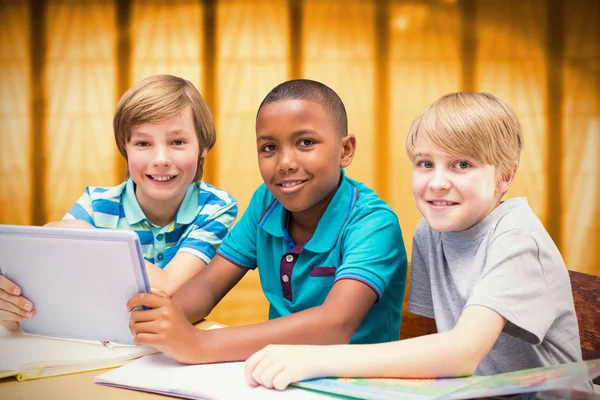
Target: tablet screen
79, 280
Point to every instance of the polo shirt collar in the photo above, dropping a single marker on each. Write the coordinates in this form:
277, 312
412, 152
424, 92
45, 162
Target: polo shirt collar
188, 210
131, 207
330, 225
334, 218
185, 215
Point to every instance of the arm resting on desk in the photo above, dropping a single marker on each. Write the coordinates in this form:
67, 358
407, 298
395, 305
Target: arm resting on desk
165, 326
455, 353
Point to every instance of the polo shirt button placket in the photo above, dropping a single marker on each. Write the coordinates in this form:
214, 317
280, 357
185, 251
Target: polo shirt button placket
287, 265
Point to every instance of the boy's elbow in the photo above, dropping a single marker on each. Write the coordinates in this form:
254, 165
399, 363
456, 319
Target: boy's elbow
468, 356
466, 367
345, 335
342, 329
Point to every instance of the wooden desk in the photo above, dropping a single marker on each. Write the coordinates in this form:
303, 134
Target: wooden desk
73, 386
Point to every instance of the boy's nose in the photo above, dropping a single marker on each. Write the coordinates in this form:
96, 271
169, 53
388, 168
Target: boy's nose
161, 163
287, 161
439, 181
161, 158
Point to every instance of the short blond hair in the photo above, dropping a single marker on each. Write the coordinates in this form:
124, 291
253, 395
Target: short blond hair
156, 99
475, 125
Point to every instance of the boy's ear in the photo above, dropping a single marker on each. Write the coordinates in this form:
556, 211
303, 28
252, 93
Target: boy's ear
348, 150
505, 180
203, 153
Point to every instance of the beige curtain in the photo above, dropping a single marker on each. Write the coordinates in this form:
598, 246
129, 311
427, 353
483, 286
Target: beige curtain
424, 64
15, 162
581, 139
81, 100
511, 64
339, 50
166, 38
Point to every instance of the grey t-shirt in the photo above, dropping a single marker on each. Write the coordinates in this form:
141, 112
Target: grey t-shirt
507, 263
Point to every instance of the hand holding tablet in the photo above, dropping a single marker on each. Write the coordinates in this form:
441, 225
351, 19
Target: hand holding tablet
79, 280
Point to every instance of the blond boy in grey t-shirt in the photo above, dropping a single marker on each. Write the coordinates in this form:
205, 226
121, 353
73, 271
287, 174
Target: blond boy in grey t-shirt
486, 270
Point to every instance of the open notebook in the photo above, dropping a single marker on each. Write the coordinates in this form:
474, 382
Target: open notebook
31, 357
158, 373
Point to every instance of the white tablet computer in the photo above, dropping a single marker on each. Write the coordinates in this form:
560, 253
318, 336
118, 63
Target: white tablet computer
79, 280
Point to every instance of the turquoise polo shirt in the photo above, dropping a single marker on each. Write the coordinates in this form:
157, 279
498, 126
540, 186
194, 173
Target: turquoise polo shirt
202, 220
358, 237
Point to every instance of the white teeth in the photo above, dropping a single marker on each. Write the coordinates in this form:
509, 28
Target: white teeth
291, 184
442, 203
162, 178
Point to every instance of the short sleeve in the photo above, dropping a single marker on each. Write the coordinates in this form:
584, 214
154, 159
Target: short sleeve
513, 284
373, 250
420, 300
239, 246
82, 209
208, 232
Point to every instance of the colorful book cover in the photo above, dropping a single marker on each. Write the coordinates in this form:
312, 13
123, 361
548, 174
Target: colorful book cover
531, 380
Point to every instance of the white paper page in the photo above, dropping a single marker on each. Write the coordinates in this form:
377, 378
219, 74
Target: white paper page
159, 373
19, 350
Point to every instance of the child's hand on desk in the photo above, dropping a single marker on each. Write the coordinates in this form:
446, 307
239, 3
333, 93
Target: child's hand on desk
13, 307
164, 327
276, 366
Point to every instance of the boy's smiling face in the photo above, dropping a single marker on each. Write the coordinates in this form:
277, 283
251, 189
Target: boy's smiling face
162, 159
454, 193
300, 153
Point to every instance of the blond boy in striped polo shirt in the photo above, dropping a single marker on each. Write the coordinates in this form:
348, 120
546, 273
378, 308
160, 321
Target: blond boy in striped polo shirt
164, 129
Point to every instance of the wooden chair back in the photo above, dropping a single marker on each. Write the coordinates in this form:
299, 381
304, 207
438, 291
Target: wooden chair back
414, 325
586, 295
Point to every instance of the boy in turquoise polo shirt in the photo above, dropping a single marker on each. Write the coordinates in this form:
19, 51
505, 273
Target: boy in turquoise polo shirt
329, 252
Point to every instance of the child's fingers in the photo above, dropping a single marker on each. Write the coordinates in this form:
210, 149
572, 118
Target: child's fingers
159, 293
151, 327
10, 308
145, 339
9, 316
18, 304
154, 314
283, 379
267, 375
251, 364
145, 299
138, 316
264, 372
8, 286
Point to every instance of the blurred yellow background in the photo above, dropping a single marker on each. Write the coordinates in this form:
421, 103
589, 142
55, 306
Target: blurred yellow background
65, 63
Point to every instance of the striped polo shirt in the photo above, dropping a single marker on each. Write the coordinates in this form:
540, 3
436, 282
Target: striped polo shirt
358, 237
202, 221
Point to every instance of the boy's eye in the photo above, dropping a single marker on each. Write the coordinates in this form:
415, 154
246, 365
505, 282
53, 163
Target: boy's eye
268, 148
178, 142
142, 144
425, 164
462, 165
306, 142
